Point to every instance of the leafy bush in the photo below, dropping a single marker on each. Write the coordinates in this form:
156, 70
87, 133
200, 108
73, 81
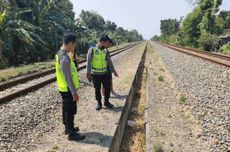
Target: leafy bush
226, 48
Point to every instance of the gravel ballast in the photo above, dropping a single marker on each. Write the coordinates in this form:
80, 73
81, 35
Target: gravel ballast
206, 87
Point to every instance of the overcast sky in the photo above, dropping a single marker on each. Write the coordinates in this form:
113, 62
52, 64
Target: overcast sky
142, 15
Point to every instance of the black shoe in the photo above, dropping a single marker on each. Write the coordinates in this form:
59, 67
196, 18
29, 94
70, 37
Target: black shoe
75, 129
98, 107
108, 105
76, 136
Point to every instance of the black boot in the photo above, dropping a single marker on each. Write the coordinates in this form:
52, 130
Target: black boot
108, 105
75, 129
76, 136
98, 107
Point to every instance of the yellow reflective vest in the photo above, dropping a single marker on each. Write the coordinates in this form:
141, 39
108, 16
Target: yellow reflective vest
98, 63
61, 81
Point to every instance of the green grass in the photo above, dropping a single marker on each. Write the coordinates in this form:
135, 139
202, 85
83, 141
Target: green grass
161, 78
157, 148
13, 72
54, 149
182, 99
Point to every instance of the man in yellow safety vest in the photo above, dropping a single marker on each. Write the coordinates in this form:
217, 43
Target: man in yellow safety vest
68, 84
97, 62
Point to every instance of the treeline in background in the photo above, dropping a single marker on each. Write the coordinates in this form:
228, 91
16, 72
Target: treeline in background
205, 28
31, 30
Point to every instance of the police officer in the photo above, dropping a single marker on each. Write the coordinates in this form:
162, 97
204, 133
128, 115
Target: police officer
97, 62
109, 74
68, 84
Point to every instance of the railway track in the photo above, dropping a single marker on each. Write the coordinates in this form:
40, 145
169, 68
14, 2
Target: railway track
213, 57
28, 77
9, 90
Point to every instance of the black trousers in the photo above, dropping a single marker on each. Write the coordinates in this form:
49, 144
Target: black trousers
110, 77
97, 81
69, 109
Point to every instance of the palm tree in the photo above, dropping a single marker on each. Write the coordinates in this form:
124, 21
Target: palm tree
17, 34
24, 27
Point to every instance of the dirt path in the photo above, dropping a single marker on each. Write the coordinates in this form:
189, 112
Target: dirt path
98, 127
172, 126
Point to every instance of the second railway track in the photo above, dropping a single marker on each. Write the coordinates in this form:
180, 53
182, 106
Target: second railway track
213, 57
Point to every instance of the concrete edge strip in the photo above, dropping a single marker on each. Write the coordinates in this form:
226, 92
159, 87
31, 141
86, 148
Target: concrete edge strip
147, 129
118, 136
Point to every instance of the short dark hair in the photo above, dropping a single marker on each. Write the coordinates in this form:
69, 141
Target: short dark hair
69, 37
106, 38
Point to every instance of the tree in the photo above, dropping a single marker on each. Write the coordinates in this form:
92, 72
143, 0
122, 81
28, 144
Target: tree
194, 2
16, 35
156, 38
92, 20
169, 27
201, 23
200, 28
207, 25
190, 28
95, 26
219, 25
225, 15
133, 36
31, 31
110, 26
